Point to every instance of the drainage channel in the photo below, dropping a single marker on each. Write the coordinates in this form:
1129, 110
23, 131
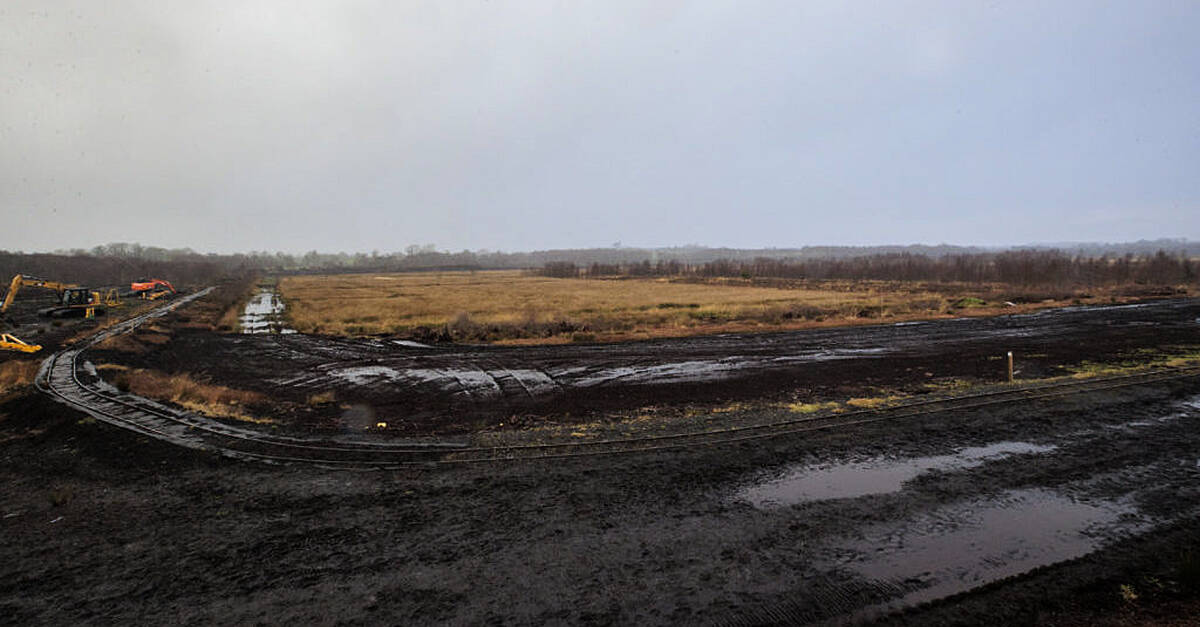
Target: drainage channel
264, 313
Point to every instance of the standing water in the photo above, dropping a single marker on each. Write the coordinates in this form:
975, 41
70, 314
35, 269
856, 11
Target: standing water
264, 314
875, 476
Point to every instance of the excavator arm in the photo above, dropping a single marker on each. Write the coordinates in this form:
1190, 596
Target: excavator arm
23, 280
152, 288
11, 343
8, 341
149, 284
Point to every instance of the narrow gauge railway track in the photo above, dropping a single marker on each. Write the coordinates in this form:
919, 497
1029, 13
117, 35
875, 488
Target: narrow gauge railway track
59, 377
746, 433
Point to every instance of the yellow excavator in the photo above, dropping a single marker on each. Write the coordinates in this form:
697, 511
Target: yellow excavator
10, 342
24, 280
112, 297
72, 299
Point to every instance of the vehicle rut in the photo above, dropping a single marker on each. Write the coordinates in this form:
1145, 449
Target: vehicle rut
60, 377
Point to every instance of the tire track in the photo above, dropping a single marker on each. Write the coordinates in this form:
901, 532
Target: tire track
59, 377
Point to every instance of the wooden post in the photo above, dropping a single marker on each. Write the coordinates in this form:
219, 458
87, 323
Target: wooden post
1010, 368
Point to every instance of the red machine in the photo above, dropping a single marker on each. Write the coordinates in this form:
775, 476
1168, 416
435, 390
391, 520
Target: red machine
152, 288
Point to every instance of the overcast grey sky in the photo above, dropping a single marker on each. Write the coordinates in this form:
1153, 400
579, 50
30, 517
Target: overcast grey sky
526, 125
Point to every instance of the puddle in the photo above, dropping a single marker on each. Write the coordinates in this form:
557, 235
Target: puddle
1134, 425
264, 314
962, 546
359, 417
410, 344
706, 370
491, 381
364, 375
876, 476
672, 372
476, 383
832, 354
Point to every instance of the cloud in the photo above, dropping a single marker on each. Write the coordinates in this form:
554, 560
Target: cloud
356, 126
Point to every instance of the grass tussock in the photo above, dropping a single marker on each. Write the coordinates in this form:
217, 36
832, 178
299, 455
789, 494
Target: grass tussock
812, 408
950, 385
180, 389
15, 373
323, 398
1139, 360
230, 319
123, 343
515, 307
875, 402
60, 496
134, 343
222, 308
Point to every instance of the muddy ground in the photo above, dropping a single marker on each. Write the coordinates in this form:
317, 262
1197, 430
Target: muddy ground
1072, 511
103, 527
423, 390
23, 321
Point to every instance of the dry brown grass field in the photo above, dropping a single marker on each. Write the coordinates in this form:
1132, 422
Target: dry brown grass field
183, 390
516, 307
15, 372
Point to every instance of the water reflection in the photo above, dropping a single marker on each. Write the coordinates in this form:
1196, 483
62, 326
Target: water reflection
876, 476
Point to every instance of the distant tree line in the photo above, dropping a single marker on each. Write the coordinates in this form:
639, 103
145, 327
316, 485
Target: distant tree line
113, 271
118, 263
1019, 267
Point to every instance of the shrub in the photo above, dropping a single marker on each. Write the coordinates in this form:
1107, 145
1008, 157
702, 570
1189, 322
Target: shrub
213, 400
804, 312
925, 304
560, 270
17, 372
968, 302
870, 311
705, 316
1188, 571
327, 397
61, 495
461, 326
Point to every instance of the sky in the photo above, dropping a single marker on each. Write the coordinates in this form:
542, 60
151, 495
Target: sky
360, 126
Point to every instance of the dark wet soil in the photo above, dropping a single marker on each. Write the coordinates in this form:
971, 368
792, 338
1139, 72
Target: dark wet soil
22, 320
457, 389
104, 527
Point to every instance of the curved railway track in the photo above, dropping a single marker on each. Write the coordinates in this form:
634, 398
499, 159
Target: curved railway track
72, 381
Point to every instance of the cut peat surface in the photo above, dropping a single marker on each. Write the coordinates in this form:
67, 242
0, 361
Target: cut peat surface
443, 388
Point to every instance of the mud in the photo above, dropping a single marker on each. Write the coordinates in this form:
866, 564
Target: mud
23, 321
104, 527
263, 313
877, 476
421, 390
954, 517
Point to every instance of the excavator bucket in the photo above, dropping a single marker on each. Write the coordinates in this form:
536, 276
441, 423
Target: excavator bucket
12, 343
